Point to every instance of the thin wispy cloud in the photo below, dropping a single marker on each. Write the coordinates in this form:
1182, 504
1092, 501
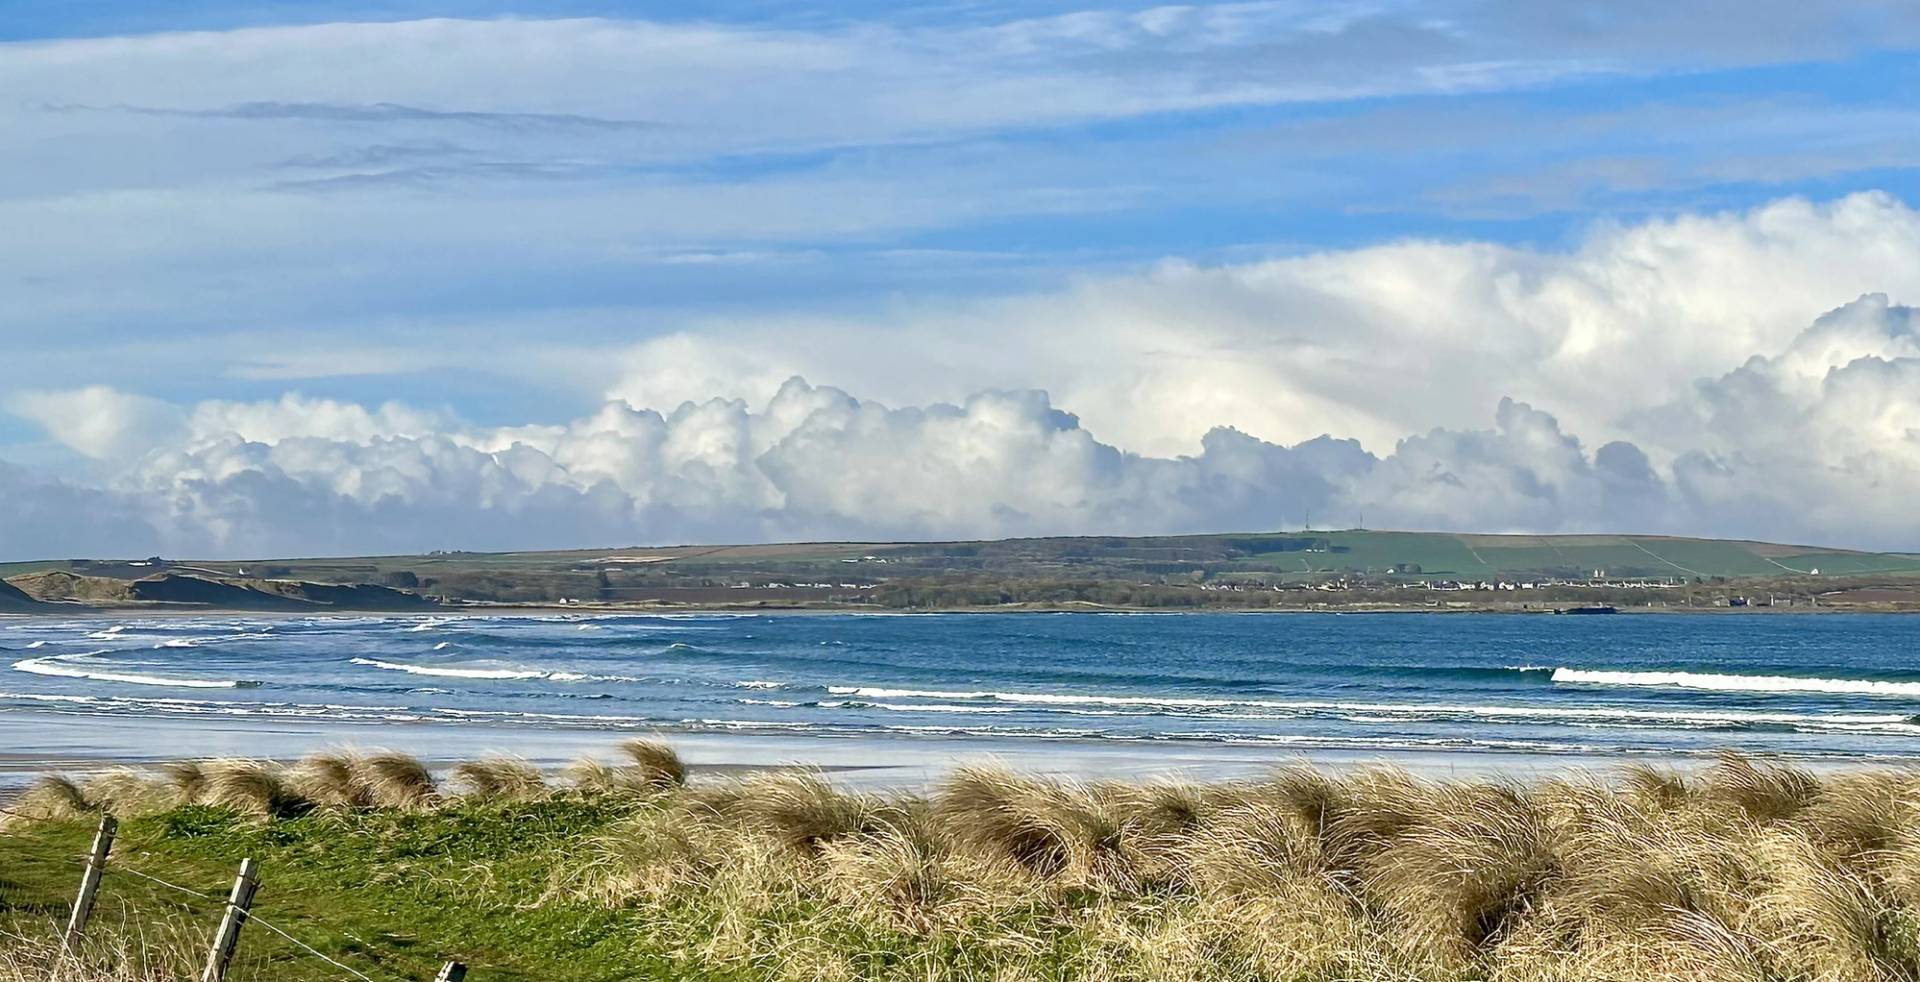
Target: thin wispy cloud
374, 113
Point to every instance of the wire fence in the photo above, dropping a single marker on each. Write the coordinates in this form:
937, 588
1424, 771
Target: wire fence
249, 917
252, 917
99, 863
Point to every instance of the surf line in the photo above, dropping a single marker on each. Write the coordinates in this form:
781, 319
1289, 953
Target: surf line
1739, 683
60, 666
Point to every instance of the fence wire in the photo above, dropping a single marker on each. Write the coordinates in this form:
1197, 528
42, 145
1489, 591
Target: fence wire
250, 917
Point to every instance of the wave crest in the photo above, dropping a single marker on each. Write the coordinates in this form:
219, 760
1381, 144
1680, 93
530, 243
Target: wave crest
500, 674
60, 666
1740, 683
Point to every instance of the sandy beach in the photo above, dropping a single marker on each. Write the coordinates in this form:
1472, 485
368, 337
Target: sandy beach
52, 742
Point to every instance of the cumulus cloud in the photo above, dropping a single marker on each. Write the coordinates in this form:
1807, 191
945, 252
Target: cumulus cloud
1373, 343
100, 422
1687, 375
1819, 440
1824, 434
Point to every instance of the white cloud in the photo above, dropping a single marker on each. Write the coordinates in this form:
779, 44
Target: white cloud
293, 416
101, 422
1676, 375
1823, 435
1819, 441
1373, 343
672, 86
331, 224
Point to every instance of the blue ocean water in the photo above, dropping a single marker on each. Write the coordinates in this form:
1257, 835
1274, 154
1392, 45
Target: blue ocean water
1841, 686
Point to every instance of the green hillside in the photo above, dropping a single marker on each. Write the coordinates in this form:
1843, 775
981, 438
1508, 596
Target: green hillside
1478, 556
1156, 571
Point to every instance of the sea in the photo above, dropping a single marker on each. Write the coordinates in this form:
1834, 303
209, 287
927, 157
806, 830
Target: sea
1102, 692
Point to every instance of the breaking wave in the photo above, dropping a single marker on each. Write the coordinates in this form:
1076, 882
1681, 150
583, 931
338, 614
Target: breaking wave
1740, 683
470, 673
63, 666
1211, 708
212, 639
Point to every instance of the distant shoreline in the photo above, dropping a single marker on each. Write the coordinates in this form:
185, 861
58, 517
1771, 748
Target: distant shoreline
158, 610
874, 761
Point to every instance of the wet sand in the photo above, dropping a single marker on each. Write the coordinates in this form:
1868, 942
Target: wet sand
38, 742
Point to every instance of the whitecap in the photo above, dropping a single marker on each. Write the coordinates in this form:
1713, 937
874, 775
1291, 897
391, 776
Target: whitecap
497, 674
61, 666
458, 673
1739, 683
1198, 707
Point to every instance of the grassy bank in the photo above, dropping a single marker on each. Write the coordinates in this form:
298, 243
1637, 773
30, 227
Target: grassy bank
1744, 871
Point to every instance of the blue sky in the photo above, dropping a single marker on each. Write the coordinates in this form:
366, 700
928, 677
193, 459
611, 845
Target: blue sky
505, 213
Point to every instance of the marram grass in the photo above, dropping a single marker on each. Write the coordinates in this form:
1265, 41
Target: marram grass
1743, 870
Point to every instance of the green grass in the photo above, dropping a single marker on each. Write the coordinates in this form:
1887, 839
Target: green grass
1741, 871
393, 894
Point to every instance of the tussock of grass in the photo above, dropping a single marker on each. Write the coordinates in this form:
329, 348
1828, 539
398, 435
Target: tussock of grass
330, 779
1766, 793
256, 788
799, 810
51, 798
1744, 870
394, 780
1050, 828
500, 779
650, 768
188, 780
654, 763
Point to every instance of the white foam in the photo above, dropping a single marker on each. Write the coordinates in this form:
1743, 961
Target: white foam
1740, 683
760, 684
935, 707
59, 666
556, 717
501, 674
198, 642
1234, 708
455, 673
36, 644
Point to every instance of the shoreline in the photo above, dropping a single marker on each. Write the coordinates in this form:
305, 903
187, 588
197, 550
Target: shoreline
530, 610
871, 762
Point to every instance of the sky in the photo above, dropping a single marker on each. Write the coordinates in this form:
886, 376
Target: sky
399, 275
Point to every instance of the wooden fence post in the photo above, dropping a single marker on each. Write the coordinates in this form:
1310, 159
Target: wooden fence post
89, 885
452, 972
228, 937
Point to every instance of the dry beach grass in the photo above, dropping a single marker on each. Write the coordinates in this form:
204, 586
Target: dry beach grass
1744, 870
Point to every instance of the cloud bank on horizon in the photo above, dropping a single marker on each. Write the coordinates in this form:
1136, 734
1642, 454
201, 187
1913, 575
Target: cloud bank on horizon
1813, 435
943, 272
